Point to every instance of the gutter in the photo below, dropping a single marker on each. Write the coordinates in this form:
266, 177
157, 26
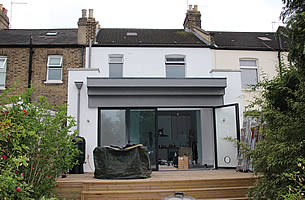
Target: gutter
41, 45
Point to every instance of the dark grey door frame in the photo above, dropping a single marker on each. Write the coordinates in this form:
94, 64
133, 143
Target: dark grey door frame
215, 132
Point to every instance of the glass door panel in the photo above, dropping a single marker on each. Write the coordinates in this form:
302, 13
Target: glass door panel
142, 130
113, 128
226, 125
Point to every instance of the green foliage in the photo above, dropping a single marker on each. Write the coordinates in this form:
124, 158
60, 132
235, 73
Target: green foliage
293, 15
35, 146
297, 178
282, 108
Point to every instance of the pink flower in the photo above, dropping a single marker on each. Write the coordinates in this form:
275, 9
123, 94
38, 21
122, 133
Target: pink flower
18, 189
25, 112
37, 155
22, 174
4, 157
4, 112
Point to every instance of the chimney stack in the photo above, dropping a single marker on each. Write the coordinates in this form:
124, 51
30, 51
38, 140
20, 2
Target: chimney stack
192, 18
4, 20
86, 28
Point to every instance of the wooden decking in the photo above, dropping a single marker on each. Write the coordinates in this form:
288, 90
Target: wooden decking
204, 184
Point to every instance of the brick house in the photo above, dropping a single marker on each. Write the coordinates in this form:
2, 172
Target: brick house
41, 57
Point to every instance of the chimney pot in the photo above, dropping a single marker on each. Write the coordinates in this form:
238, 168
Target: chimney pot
91, 13
1, 7
196, 8
190, 7
84, 13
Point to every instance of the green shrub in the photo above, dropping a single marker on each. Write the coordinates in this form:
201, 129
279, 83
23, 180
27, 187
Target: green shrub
35, 146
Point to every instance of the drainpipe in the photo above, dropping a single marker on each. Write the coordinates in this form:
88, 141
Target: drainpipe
279, 41
30, 62
90, 52
78, 85
82, 57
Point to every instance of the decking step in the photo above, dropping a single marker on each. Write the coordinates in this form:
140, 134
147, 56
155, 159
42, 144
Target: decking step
203, 193
174, 185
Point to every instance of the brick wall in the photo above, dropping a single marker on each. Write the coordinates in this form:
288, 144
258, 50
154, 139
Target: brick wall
17, 67
17, 71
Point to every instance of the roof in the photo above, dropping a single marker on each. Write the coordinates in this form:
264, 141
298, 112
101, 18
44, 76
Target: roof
247, 40
21, 37
148, 37
119, 37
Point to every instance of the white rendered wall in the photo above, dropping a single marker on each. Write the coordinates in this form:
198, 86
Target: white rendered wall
233, 91
150, 62
88, 116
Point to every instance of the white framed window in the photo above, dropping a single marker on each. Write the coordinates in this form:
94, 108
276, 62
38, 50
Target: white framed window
249, 75
3, 63
175, 66
54, 74
116, 65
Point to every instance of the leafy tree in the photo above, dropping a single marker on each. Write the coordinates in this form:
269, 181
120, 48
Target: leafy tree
280, 156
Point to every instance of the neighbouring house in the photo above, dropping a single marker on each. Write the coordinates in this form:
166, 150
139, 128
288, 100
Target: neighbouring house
41, 57
244, 57
251, 56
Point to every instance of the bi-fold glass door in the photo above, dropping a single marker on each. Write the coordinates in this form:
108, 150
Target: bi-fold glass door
140, 126
226, 125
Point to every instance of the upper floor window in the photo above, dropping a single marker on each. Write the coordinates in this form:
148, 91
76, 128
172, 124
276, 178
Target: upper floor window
54, 73
116, 65
3, 61
175, 66
248, 69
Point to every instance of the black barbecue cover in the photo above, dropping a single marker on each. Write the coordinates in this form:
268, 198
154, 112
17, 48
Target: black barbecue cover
117, 163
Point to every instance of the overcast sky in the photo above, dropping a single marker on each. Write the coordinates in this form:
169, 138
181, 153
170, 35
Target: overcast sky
216, 15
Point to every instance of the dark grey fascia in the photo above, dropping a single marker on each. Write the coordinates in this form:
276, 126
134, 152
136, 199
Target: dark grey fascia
156, 82
155, 92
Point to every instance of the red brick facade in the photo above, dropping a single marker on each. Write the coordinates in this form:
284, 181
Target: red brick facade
18, 68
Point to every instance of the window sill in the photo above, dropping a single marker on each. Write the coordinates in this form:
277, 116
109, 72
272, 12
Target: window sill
54, 82
2, 88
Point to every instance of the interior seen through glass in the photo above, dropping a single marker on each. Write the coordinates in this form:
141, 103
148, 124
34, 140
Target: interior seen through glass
167, 134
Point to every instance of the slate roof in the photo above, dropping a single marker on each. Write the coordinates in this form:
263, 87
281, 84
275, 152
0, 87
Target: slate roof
21, 37
247, 40
145, 38
148, 37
